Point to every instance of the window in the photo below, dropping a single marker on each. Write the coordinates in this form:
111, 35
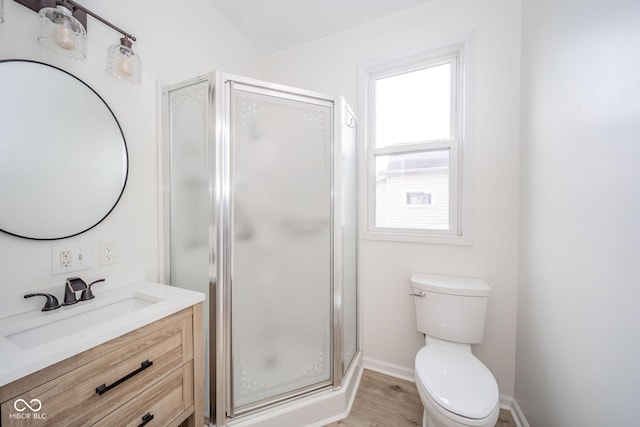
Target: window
414, 112
418, 198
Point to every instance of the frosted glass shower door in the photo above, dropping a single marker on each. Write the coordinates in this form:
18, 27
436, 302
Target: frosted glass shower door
188, 211
281, 245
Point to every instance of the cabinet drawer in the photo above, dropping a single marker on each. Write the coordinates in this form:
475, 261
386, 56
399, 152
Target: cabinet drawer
164, 401
72, 400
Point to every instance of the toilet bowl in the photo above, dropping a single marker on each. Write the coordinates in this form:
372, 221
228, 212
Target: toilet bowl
455, 387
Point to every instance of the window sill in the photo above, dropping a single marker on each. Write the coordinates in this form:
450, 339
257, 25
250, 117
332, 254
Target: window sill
438, 239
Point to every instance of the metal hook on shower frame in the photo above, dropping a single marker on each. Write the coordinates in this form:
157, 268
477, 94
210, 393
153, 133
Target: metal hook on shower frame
351, 123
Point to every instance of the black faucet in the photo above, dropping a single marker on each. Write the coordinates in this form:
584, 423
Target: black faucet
71, 286
76, 284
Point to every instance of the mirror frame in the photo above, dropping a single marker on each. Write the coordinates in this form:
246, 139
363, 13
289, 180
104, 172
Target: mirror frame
124, 143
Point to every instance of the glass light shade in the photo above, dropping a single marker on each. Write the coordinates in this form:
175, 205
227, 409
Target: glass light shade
62, 33
123, 63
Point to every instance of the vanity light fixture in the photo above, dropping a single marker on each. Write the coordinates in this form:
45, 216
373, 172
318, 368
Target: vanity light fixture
61, 32
63, 26
123, 63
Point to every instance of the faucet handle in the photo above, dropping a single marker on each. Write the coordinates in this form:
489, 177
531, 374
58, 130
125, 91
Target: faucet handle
87, 293
51, 303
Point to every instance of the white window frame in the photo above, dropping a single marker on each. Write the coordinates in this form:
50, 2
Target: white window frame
458, 52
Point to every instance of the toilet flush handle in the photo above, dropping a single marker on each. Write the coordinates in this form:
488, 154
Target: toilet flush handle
420, 294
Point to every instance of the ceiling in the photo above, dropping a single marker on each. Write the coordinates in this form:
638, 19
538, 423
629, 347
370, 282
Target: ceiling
273, 25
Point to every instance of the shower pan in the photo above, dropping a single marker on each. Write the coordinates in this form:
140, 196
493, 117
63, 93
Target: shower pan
260, 214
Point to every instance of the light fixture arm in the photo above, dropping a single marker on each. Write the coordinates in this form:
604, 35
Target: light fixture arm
98, 17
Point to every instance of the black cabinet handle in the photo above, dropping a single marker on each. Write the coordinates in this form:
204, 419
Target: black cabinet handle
146, 419
102, 389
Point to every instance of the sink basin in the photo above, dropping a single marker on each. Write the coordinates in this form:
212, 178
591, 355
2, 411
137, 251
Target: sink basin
82, 321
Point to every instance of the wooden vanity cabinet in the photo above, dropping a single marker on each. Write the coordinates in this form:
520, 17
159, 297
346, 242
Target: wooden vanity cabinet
152, 376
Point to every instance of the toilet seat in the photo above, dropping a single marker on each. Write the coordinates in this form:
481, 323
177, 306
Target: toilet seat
457, 382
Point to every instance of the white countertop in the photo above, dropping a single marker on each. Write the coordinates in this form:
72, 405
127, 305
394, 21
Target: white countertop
17, 361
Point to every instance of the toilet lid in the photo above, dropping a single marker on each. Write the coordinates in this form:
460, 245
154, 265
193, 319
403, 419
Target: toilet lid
457, 380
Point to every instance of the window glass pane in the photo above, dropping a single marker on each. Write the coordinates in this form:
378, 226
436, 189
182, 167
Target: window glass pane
413, 107
412, 190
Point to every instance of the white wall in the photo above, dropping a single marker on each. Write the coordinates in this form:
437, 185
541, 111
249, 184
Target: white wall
331, 65
578, 318
174, 44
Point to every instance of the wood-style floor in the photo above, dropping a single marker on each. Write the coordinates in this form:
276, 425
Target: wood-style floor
386, 401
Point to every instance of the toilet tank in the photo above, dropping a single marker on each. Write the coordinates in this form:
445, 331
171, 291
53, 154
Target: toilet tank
451, 308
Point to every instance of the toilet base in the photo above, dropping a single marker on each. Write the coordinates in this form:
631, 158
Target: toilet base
427, 421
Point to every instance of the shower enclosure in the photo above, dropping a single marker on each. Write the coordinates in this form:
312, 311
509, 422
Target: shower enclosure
260, 214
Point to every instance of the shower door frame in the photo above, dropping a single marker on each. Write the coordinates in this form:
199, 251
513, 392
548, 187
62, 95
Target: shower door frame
223, 193
167, 170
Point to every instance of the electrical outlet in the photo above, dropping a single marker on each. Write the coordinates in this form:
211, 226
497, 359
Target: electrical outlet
108, 253
65, 259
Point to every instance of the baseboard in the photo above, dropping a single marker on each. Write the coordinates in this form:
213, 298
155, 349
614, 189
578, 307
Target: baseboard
506, 402
388, 369
518, 416
510, 404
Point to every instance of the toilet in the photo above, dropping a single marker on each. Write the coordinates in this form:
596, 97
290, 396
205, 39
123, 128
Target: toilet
455, 387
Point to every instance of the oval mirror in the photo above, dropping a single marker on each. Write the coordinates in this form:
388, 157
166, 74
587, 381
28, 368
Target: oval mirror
63, 156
